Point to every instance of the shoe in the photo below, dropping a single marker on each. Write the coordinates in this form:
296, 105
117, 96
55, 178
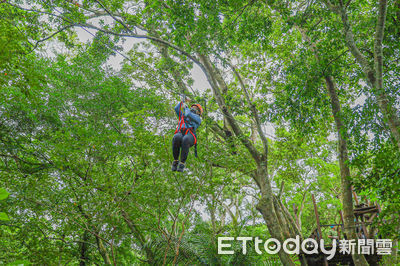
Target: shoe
174, 165
181, 166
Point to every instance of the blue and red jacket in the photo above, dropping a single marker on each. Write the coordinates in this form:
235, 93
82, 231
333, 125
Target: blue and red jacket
188, 121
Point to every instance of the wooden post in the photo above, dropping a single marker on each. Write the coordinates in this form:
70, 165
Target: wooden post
364, 228
318, 226
379, 207
367, 201
355, 196
372, 217
341, 219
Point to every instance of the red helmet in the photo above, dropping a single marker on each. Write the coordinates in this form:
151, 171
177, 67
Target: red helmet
198, 106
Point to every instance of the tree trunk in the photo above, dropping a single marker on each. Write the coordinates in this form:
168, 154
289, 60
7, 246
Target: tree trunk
103, 251
374, 74
266, 204
387, 109
83, 249
266, 207
347, 197
142, 241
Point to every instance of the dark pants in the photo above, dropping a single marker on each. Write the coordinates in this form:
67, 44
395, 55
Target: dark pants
183, 142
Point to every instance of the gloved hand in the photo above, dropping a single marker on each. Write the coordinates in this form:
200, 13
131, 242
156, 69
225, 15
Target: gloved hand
187, 110
185, 103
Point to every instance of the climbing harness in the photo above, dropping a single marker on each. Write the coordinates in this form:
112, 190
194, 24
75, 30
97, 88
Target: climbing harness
180, 125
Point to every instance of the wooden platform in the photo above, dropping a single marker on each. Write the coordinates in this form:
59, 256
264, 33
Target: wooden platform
364, 214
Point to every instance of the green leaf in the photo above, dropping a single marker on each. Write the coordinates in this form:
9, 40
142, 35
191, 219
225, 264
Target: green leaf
19, 262
3, 194
4, 217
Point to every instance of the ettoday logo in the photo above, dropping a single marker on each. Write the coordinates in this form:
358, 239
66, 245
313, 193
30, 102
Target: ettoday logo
273, 246
307, 246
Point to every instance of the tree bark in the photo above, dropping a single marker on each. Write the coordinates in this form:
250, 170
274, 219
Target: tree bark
149, 253
266, 204
103, 251
387, 109
83, 249
347, 196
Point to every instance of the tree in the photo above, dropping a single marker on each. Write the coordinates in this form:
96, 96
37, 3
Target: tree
91, 144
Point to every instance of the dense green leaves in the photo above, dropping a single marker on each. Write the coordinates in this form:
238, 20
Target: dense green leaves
3, 195
85, 149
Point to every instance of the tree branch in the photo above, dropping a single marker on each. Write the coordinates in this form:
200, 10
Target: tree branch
378, 53
139, 36
52, 35
132, 35
351, 44
212, 77
39, 12
115, 18
254, 109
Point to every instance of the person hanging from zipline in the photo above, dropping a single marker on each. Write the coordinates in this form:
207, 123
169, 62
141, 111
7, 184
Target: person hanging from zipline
185, 133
